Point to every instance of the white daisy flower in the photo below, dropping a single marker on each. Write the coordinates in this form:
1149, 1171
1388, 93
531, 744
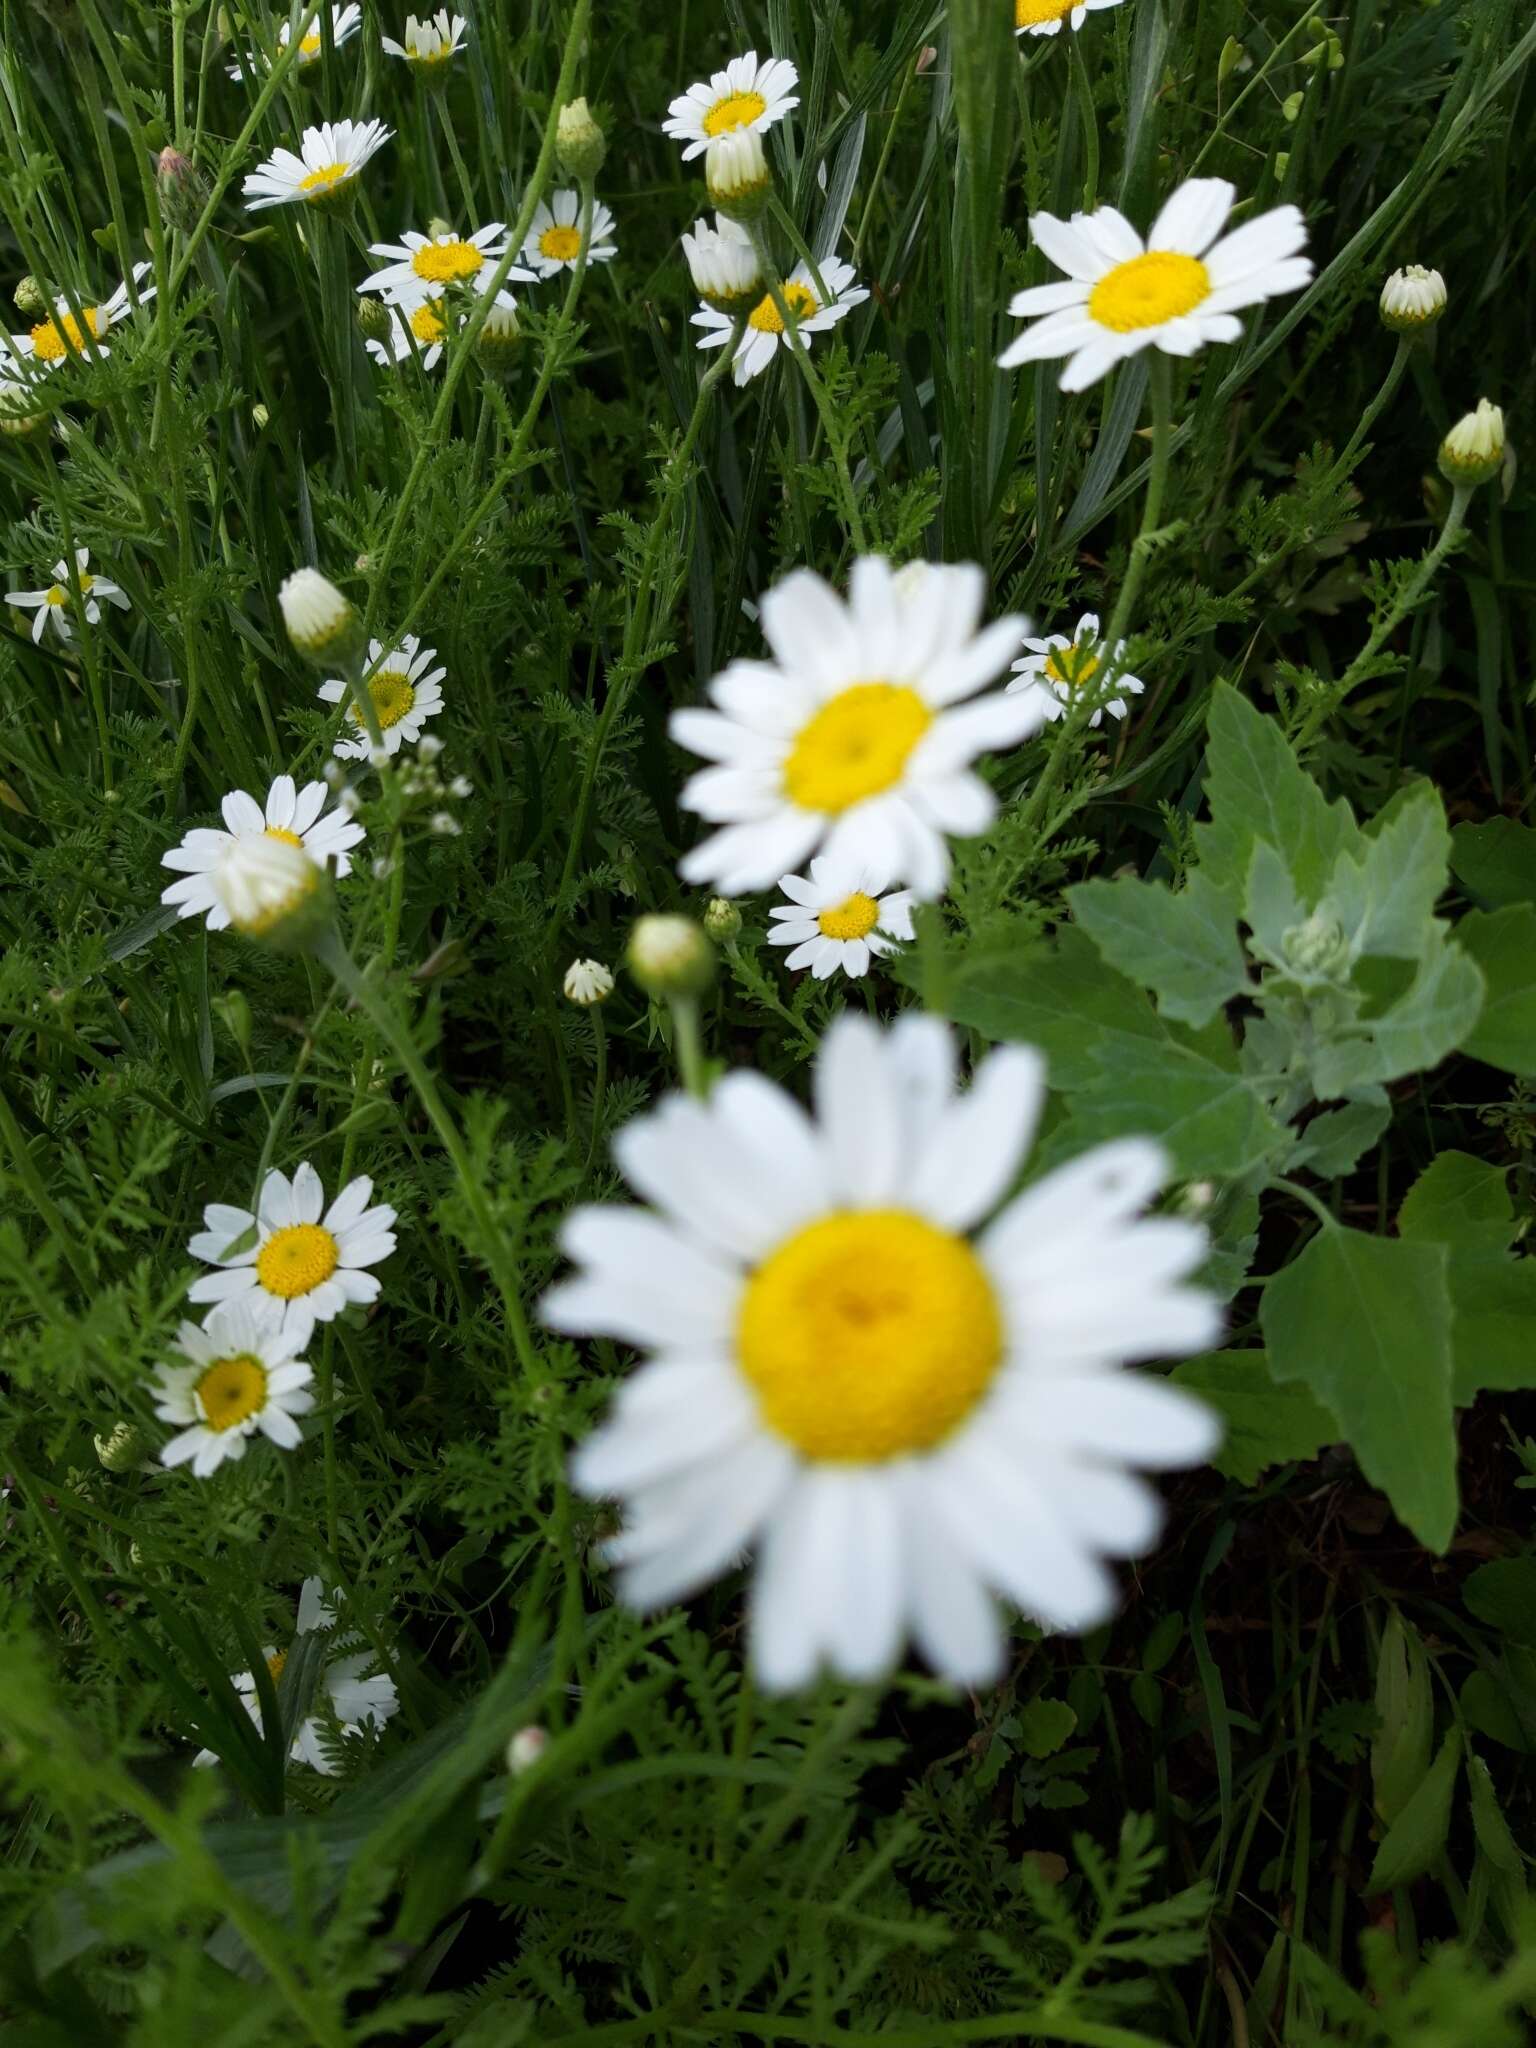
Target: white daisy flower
425, 266
433, 41
415, 333
1050, 17
352, 1697
329, 160
903, 1406
764, 331
244, 1374
295, 815
307, 1264
51, 606
745, 95
345, 23
836, 923
554, 240
855, 738
1054, 668
723, 264
404, 687
65, 337
1180, 290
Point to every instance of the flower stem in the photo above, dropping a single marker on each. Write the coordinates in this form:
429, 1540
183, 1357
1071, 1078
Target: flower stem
1088, 116
1368, 418
689, 1042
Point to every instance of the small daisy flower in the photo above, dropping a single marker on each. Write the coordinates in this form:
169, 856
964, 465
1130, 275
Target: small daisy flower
745, 95
404, 687
1413, 299
327, 165
722, 262
1055, 668
554, 240
855, 738
765, 328
52, 606
430, 44
835, 924
1050, 17
904, 1396
425, 266
66, 337
304, 1264
587, 982
1181, 289
415, 333
352, 1697
345, 23
297, 816
243, 1374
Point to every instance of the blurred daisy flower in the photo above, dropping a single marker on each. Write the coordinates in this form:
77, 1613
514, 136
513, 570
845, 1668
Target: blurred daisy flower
323, 172
412, 333
65, 336
52, 606
745, 95
297, 816
1050, 17
404, 687
345, 23
243, 1375
554, 240
906, 1397
431, 43
855, 738
352, 1698
765, 326
1180, 290
303, 1259
835, 923
425, 266
1057, 668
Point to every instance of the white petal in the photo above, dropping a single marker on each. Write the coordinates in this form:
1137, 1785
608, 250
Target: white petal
973, 1156
1193, 218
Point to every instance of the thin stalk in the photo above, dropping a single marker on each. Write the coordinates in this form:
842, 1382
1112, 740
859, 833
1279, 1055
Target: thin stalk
1089, 119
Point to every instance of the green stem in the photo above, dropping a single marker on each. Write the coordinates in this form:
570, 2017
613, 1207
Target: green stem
1368, 418
1088, 116
599, 1082
689, 1043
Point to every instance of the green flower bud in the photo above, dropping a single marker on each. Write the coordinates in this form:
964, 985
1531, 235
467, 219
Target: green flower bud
670, 956
580, 145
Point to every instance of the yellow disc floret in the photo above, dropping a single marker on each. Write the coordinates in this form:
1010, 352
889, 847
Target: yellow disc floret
296, 1260
392, 696
855, 918
736, 110
1032, 13
1148, 290
231, 1391
275, 1665
766, 317
55, 339
560, 245
856, 746
869, 1335
1072, 666
318, 185
447, 262
427, 323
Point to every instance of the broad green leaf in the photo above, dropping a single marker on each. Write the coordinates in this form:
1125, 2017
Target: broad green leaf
1464, 1204
1365, 1322
1496, 861
1405, 1715
1209, 1119
1453, 1197
1385, 897
1504, 1595
1428, 1021
1267, 1424
1420, 1832
1258, 790
1062, 998
1271, 905
1184, 948
1491, 1828
1503, 943
1044, 1726
1335, 1142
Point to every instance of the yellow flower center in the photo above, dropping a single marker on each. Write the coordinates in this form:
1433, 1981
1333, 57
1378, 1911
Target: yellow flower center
318, 184
392, 697
855, 918
281, 832
1030, 13
433, 53
736, 110
560, 245
231, 1391
309, 48
1148, 290
275, 1664
297, 1260
447, 262
428, 324
55, 339
766, 317
1072, 666
57, 595
869, 1335
855, 746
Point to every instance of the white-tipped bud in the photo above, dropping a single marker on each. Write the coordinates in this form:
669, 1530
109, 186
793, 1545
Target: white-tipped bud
500, 342
525, 1749
670, 956
373, 317
1473, 451
273, 891
736, 173
428, 747
1412, 299
261, 417
587, 982
320, 622
580, 145
723, 265
722, 920
121, 1448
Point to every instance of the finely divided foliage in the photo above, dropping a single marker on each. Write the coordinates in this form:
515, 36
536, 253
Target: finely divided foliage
767, 1024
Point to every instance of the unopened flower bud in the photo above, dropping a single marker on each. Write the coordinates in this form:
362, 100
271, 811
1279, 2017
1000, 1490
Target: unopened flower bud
1412, 299
1473, 451
373, 317
260, 418
500, 341
722, 920
321, 623
1317, 948
183, 192
736, 173
22, 410
580, 145
525, 1749
272, 891
723, 265
438, 229
31, 299
121, 1448
587, 982
670, 956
